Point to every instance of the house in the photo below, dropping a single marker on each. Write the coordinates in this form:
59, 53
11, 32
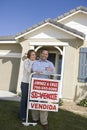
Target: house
66, 39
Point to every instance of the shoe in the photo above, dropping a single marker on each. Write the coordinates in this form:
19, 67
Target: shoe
37, 121
45, 127
34, 121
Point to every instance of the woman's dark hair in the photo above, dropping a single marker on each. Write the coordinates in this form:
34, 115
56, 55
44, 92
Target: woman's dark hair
29, 53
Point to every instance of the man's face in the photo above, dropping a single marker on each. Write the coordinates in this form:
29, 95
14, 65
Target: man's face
44, 55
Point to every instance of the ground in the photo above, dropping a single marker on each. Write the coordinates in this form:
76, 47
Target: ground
73, 107
67, 105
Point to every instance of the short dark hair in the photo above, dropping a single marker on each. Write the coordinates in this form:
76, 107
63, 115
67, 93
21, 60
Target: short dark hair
43, 50
29, 53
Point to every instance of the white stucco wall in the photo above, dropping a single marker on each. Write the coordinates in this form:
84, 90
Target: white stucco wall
80, 88
78, 22
69, 71
10, 55
49, 32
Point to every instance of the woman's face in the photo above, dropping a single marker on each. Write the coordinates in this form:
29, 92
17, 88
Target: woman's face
32, 56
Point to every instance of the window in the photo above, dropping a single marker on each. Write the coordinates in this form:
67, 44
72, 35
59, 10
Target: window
82, 77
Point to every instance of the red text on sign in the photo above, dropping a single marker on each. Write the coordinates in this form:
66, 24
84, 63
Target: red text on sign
43, 95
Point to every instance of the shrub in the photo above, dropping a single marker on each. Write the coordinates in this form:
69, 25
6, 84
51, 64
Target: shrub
60, 102
83, 103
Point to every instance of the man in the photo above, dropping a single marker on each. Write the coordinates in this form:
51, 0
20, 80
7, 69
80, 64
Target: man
42, 66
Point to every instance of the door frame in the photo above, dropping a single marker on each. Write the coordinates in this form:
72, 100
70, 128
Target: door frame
61, 52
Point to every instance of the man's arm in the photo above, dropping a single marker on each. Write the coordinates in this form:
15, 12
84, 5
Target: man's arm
51, 68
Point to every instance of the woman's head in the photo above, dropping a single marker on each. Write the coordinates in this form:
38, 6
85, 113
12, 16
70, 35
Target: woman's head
31, 55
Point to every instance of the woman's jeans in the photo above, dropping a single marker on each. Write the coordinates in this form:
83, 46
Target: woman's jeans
24, 97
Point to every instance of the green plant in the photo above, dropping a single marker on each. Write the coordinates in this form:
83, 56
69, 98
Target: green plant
83, 102
60, 102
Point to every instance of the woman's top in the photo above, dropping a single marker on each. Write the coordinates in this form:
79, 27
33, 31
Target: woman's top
27, 70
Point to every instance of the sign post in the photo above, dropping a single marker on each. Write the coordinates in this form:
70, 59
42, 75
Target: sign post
43, 95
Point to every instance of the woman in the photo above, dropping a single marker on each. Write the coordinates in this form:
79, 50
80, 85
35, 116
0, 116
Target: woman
31, 56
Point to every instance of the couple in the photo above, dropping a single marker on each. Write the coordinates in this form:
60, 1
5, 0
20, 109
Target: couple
38, 66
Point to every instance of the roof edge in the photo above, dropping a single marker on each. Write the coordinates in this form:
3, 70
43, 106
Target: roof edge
33, 27
7, 38
51, 21
82, 8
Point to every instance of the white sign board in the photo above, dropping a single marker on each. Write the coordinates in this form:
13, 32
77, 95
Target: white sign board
43, 106
43, 93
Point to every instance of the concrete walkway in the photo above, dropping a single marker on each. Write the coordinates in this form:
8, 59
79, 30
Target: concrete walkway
73, 107
6, 95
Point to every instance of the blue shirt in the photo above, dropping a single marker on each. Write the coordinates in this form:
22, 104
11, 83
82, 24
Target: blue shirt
42, 66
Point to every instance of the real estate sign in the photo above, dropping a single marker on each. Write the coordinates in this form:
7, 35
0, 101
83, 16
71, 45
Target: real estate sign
44, 94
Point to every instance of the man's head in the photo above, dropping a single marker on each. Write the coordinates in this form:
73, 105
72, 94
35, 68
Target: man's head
44, 54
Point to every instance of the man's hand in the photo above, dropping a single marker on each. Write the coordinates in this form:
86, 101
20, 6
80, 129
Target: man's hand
38, 72
49, 69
